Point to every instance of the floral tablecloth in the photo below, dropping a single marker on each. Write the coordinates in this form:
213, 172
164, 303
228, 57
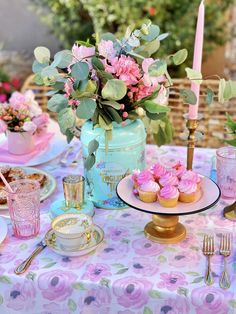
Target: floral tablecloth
127, 274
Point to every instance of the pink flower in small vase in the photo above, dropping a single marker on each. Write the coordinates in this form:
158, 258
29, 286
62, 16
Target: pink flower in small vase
172, 281
126, 69
41, 121
95, 272
132, 292
29, 126
17, 101
3, 126
3, 97
106, 49
56, 284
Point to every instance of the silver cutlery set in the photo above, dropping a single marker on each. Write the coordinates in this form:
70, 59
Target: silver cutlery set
64, 161
208, 250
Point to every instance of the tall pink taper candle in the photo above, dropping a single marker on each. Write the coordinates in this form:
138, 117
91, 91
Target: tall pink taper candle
197, 58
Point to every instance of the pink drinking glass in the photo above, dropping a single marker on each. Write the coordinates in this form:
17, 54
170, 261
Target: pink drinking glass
226, 171
24, 208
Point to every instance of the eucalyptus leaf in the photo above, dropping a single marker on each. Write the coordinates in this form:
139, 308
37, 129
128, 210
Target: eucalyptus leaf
66, 119
49, 75
148, 48
108, 36
80, 70
155, 116
97, 64
114, 114
86, 108
103, 124
114, 89
57, 102
92, 146
62, 59
38, 67
180, 56
38, 79
158, 68
153, 107
52, 92
194, 75
42, 54
89, 162
163, 36
112, 103
69, 136
209, 96
188, 96
153, 32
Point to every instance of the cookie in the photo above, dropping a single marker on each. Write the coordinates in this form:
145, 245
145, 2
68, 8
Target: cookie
16, 174
5, 170
3, 197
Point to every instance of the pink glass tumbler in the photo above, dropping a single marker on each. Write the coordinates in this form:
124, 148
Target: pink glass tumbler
226, 171
24, 208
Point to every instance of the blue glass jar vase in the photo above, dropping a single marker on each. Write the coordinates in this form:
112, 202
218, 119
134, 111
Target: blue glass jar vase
126, 151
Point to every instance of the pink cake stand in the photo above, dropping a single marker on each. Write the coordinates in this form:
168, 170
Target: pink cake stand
165, 226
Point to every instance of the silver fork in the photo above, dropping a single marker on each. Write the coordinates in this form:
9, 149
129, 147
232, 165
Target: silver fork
63, 160
208, 250
225, 250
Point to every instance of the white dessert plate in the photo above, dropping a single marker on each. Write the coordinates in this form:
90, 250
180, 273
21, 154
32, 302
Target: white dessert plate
52, 243
55, 148
210, 196
48, 188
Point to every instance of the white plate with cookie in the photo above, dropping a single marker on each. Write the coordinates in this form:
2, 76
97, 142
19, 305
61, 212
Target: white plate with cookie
47, 181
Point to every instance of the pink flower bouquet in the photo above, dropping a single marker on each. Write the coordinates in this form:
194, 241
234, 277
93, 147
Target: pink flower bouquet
22, 114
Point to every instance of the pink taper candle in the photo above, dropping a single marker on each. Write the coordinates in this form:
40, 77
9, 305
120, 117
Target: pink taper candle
197, 58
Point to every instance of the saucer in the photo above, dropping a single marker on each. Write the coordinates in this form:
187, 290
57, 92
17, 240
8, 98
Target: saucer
52, 243
59, 207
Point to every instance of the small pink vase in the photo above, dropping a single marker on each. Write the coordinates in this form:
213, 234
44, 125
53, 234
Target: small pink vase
20, 143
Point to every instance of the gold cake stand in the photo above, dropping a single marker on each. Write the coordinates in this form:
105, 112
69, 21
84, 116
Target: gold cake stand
165, 226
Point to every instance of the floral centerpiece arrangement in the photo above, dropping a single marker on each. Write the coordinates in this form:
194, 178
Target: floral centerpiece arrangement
107, 82
7, 86
22, 114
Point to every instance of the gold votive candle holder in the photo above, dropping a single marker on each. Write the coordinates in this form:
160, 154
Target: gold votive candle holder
74, 187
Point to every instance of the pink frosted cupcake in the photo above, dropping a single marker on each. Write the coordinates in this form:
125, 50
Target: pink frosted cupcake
148, 191
168, 179
134, 177
178, 169
188, 191
192, 176
144, 177
168, 196
158, 171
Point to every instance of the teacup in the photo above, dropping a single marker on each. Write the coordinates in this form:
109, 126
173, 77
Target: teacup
73, 231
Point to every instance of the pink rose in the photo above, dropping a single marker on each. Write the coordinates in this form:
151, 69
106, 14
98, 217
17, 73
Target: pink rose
21, 296
29, 126
17, 101
106, 49
162, 97
132, 292
41, 121
56, 284
3, 126
3, 97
